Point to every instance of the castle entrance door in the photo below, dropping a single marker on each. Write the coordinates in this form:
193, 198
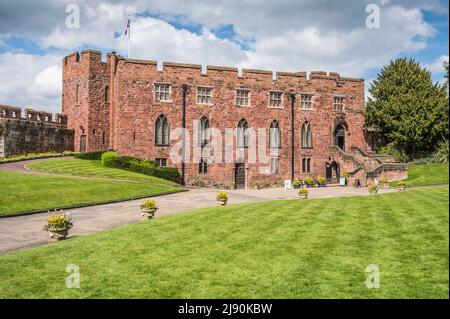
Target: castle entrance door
83, 143
239, 175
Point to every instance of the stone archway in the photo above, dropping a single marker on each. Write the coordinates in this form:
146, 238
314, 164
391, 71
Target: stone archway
339, 136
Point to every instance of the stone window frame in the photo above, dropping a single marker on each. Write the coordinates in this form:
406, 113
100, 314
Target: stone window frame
306, 165
274, 168
339, 106
204, 132
161, 162
77, 94
303, 102
203, 166
165, 135
106, 94
159, 92
306, 141
242, 130
206, 96
274, 124
270, 99
239, 98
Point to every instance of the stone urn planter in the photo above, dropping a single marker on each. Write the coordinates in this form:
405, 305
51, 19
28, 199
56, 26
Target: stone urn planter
148, 213
303, 193
58, 234
401, 186
58, 225
222, 198
148, 208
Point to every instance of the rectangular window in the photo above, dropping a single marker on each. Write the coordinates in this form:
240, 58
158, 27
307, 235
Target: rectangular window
203, 166
162, 92
306, 165
275, 99
273, 165
204, 95
161, 162
242, 97
338, 104
306, 102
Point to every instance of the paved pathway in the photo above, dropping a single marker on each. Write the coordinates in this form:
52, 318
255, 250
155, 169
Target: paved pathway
18, 232
26, 231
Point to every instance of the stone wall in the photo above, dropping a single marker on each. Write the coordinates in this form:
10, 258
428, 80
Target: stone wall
36, 132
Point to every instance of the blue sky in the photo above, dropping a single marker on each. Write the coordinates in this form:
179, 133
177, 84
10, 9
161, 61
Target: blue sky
287, 35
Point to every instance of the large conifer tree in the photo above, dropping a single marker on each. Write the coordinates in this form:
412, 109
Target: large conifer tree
408, 109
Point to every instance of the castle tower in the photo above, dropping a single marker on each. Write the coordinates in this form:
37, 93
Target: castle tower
86, 99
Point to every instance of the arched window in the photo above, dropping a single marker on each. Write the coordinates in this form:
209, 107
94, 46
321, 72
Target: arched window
162, 131
204, 132
306, 135
242, 134
106, 95
274, 135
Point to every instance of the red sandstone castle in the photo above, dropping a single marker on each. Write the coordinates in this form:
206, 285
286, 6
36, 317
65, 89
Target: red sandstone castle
315, 121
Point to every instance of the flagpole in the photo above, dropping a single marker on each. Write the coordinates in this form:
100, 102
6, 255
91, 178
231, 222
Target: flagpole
129, 35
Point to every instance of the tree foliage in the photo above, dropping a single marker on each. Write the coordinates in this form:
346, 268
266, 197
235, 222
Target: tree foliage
409, 111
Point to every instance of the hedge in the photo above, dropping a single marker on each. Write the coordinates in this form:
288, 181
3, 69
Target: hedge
111, 159
92, 156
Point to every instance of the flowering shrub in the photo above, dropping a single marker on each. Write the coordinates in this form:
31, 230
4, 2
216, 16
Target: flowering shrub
149, 204
58, 221
222, 196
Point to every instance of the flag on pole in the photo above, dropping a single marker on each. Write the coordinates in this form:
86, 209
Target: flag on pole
127, 29
128, 33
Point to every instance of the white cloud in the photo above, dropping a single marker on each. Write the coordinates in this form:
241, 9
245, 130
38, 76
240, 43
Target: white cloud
31, 81
437, 66
291, 35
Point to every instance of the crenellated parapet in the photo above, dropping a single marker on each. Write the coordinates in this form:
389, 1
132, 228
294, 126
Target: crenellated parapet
14, 112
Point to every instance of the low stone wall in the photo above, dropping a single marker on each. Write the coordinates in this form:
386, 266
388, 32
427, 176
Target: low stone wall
36, 132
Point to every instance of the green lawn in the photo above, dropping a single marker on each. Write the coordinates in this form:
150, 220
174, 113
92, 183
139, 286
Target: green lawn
427, 174
315, 248
79, 167
21, 192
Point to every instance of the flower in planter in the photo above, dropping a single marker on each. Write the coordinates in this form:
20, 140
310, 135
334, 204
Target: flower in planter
401, 185
303, 193
309, 181
222, 198
149, 204
296, 183
58, 225
384, 180
373, 189
149, 208
256, 185
321, 180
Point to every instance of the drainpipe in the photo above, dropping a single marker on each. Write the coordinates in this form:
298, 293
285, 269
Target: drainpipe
184, 88
292, 136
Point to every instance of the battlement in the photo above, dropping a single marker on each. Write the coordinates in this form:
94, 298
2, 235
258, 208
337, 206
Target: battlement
96, 57
14, 112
